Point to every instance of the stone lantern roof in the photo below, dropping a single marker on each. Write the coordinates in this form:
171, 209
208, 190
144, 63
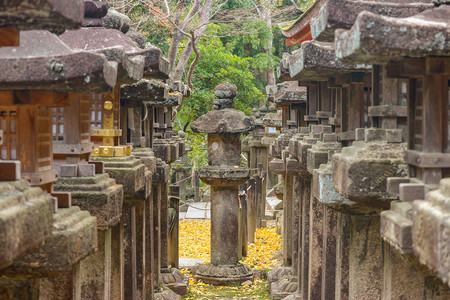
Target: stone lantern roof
381, 39
151, 91
52, 15
224, 119
317, 61
283, 69
134, 62
290, 92
44, 62
325, 16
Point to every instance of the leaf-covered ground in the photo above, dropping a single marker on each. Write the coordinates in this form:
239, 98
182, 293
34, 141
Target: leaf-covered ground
263, 254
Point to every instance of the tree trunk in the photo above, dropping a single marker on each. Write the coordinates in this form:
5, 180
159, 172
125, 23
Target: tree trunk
177, 29
198, 33
266, 15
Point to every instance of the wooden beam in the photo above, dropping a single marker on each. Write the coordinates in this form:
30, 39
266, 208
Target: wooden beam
10, 170
64, 199
6, 98
427, 160
9, 37
437, 65
33, 97
406, 68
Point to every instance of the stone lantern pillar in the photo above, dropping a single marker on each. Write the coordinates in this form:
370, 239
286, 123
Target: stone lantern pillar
224, 127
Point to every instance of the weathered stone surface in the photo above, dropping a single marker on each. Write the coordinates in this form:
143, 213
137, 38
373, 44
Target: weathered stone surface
93, 12
161, 174
134, 62
168, 150
144, 89
116, 20
95, 9
114, 45
74, 237
319, 154
128, 171
342, 14
281, 144
377, 162
224, 149
318, 8
166, 294
137, 37
277, 273
365, 277
153, 92
44, 62
100, 195
26, 218
290, 92
293, 144
224, 119
323, 188
303, 146
430, 230
222, 274
224, 127
283, 288
147, 157
278, 191
283, 70
176, 281
272, 119
53, 15
318, 61
294, 166
377, 39
225, 90
223, 176
396, 226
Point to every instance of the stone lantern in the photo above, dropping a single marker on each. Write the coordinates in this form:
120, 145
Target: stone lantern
224, 127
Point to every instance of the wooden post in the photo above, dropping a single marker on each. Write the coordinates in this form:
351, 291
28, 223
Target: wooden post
433, 101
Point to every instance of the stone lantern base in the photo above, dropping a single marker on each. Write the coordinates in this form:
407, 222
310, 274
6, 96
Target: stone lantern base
223, 274
175, 280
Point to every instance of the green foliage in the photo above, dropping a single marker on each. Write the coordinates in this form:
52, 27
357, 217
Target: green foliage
216, 65
263, 61
253, 42
198, 155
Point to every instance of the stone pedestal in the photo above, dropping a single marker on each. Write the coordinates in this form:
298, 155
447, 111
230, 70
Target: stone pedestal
379, 161
164, 275
27, 218
73, 238
365, 258
431, 225
224, 267
224, 174
136, 180
103, 198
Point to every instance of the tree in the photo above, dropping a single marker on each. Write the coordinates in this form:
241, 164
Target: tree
216, 65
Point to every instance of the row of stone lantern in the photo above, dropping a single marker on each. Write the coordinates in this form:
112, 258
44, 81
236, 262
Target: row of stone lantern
85, 206
375, 132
